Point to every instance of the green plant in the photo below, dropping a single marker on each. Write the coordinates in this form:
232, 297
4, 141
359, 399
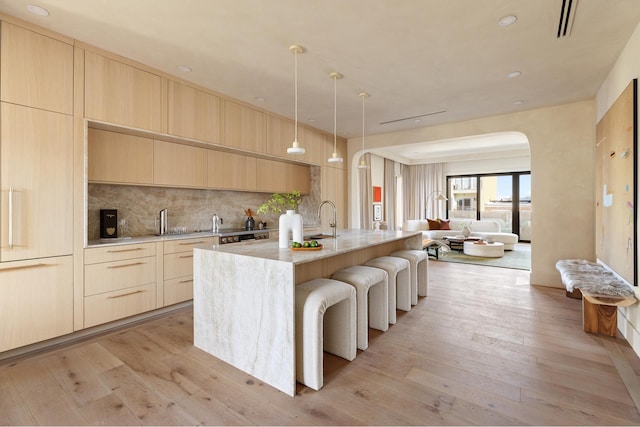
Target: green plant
280, 201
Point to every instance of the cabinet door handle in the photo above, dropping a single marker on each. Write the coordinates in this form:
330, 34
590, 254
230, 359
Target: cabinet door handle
192, 243
114, 251
125, 295
23, 267
186, 281
126, 265
185, 256
10, 217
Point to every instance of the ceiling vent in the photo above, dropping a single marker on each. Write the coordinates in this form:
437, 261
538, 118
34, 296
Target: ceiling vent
413, 117
567, 15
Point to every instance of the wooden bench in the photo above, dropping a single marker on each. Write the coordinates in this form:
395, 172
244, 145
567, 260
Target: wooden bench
601, 291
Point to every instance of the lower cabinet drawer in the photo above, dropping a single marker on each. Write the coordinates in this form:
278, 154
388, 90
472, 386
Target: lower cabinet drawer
112, 276
116, 305
178, 290
178, 265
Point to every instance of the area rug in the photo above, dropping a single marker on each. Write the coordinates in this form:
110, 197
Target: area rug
519, 258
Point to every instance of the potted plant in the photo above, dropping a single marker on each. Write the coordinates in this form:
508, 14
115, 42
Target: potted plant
280, 202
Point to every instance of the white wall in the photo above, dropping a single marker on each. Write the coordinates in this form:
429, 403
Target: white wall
626, 68
562, 143
509, 164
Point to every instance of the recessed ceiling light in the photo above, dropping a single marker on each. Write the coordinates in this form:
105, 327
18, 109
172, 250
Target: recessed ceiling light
417, 121
37, 10
518, 102
259, 99
514, 74
184, 68
505, 21
312, 120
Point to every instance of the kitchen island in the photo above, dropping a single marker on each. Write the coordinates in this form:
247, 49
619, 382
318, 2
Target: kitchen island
244, 296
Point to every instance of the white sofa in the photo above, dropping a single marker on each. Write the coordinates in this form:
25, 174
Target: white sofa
485, 229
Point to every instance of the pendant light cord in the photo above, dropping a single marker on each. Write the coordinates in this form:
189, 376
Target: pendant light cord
335, 114
295, 91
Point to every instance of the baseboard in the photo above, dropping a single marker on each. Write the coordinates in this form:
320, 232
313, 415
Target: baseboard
628, 331
84, 334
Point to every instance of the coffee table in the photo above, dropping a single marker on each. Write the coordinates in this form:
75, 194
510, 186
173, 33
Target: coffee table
456, 242
487, 250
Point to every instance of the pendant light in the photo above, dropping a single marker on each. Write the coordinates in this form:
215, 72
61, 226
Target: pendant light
363, 162
334, 157
295, 146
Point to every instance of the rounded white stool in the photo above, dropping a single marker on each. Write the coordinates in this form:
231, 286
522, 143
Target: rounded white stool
372, 298
328, 302
419, 266
399, 282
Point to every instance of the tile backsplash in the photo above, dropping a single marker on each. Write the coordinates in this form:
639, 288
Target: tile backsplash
189, 208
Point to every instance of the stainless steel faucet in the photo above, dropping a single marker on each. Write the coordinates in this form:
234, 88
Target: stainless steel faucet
332, 224
163, 222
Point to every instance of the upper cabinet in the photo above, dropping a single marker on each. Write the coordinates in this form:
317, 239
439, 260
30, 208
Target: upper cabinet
280, 134
279, 177
193, 113
119, 93
119, 158
229, 171
36, 70
244, 127
179, 165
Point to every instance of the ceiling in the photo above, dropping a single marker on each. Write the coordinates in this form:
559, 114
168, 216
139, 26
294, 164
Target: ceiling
424, 62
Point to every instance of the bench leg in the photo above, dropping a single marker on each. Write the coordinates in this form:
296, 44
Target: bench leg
599, 318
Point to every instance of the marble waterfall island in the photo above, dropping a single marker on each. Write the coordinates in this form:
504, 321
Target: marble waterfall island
244, 296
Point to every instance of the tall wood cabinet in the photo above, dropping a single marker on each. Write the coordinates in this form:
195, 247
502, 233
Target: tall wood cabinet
36, 182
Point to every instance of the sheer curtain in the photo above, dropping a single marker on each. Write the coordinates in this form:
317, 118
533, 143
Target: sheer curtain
366, 195
421, 184
390, 193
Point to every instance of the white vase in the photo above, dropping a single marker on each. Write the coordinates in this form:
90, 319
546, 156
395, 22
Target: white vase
291, 222
466, 231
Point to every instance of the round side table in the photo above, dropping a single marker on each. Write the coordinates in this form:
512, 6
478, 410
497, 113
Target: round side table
488, 250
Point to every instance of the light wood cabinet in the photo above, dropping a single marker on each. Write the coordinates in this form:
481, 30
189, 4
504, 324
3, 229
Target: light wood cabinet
36, 177
230, 171
121, 94
334, 188
119, 158
313, 143
120, 281
178, 268
280, 134
193, 113
178, 165
244, 127
36, 301
35, 70
280, 177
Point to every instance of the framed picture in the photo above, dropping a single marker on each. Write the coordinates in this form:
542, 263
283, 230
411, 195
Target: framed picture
377, 212
377, 194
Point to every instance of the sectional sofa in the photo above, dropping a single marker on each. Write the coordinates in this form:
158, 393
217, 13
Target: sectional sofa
485, 229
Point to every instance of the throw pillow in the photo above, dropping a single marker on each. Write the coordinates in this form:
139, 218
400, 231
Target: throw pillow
434, 224
444, 224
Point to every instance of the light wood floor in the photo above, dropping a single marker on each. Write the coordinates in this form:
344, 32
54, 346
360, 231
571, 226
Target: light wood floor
484, 348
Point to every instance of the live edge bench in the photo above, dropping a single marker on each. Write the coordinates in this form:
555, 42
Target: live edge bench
601, 291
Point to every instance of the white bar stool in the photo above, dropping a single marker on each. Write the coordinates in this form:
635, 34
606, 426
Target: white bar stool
399, 282
314, 299
372, 298
419, 266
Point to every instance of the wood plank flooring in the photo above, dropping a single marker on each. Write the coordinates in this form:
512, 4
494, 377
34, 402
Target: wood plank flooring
484, 348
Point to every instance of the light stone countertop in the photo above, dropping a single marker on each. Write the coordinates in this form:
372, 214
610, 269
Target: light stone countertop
347, 241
